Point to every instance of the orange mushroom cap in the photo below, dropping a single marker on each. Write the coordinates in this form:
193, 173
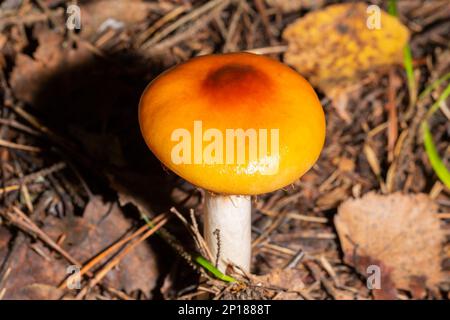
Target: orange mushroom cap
190, 118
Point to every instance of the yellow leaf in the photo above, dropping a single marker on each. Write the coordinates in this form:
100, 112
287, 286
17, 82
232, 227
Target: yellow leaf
336, 46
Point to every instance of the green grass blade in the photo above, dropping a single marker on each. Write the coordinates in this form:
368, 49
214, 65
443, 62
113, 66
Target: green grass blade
436, 162
407, 59
392, 7
408, 64
216, 272
438, 102
205, 264
434, 85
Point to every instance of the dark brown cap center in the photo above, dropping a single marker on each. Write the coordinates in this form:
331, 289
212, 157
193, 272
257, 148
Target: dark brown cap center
236, 81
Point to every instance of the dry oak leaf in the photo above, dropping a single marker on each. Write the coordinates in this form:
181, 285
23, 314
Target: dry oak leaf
334, 47
401, 231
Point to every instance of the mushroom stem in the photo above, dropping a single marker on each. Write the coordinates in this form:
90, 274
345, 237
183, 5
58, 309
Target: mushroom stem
231, 216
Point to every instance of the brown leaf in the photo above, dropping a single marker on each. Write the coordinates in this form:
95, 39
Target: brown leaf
102, 225
418, 287
36, 276
30, 74
400, 231
39, 291
288, 280
27, 268
388, 290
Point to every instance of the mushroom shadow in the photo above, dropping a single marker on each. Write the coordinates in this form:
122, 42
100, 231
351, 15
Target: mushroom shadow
94, 105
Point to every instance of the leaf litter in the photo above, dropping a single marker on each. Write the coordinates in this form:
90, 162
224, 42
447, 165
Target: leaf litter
357, 159
400, 233
335, 49
102, 225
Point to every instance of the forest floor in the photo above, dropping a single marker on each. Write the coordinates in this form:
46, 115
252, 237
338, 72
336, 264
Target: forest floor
77, 183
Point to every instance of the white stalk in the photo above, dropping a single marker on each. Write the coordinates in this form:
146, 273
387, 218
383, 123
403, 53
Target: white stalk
231, 215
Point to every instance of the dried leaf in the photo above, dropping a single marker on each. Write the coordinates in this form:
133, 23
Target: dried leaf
31, 74
289, 281
102, 225
388, 291
35, 274
39, 291
401, 232
28, 268
334, 47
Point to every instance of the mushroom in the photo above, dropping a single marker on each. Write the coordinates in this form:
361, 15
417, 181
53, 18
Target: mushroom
236, 125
